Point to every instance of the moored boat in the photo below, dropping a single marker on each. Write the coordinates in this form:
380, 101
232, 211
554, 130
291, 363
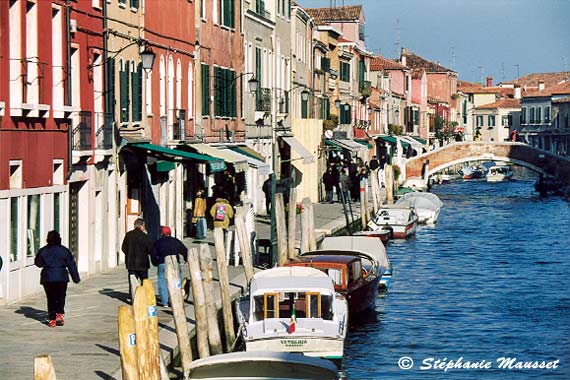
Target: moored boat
499, 173
262, 366
358, 284
402, 221
427, 206
371, 247
383, 234
293, 309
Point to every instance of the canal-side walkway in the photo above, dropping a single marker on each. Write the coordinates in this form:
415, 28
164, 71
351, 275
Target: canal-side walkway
87, 346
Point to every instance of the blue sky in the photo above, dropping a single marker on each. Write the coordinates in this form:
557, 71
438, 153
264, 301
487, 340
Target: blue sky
487, 37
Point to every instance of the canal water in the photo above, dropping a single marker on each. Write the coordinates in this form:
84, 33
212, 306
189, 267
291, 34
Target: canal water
491, 280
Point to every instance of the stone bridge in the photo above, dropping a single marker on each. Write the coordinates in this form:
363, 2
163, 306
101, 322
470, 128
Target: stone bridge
514, 152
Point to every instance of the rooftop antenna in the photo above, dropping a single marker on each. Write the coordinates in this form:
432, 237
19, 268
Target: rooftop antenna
398, 42
502, 71
482, 70
452, 57
518, 70
565, 68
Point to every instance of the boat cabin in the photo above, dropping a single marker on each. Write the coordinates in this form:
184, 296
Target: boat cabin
281, 304
344, 271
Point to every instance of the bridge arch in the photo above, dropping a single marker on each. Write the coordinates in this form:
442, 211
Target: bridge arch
521, 154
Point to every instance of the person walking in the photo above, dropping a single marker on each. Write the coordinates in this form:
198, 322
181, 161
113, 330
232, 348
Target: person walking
328, 181
345, 184
266, 187
222, 212
199, 215
137, 247
57, 265
166, 246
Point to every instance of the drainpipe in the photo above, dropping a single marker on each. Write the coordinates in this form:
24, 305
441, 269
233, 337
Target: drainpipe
68, 84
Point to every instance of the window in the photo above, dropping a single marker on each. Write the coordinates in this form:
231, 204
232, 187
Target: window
335, 275
345, 71
361, 74
57, 178
270, 305
190, 92
136, 81
538, 115
134, 4
227, 13
57, 211
203, 9
14, 230
225, 93
33, 231
505, 120
491, 121
345, 114
124, 91
523, 115
16, 174
361, 32
547, 115
479, 121
531, 117
313, 303
205, 90
122, 3
260, 7
304, 109
325, 64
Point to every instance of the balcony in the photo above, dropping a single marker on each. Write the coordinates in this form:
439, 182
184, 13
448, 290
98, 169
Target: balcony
104, 132
82, 134
263, 100
179, 126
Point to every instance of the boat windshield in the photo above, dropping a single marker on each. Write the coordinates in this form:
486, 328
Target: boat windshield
282, 304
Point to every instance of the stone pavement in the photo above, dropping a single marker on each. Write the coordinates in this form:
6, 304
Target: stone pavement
87, 346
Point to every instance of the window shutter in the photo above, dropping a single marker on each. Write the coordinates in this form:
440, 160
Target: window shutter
304, 109
135, 91
217, 97
205, 90
325, 64
233, 94
110, 96
361, 74
124, 88
139, 94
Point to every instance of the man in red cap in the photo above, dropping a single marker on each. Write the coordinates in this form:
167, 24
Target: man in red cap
165, 246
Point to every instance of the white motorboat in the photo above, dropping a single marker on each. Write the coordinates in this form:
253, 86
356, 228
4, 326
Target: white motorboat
262, 366
293, 309
371, 247
415, 183
499, 173
402, 221
427, 206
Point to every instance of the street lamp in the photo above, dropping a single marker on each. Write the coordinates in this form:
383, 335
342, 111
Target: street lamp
253, 84
304, 95
337, 103
147, 58
369, 110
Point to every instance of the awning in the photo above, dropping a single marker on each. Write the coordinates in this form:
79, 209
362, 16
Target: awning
333, 145
238, 161
300, 149
262, 167
248, 152
421, 141
216, 165
365, 143
350, 145
394, 141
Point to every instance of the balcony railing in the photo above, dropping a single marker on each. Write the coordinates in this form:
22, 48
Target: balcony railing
104, 130
263, 100
179, 126
82, 134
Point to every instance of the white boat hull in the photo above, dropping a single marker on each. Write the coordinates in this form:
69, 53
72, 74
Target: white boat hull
332, 349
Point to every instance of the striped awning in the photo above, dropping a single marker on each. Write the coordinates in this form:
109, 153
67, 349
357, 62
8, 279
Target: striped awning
237, 160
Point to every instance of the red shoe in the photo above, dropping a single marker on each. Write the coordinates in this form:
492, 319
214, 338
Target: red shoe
52, 323
59, 319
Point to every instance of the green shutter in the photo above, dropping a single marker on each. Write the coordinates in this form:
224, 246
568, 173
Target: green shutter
217, 97
325, 64
233, 94
304, 109
110, 94
124, 88
361, 74
137, 94
205, 90
327, 108
140, 92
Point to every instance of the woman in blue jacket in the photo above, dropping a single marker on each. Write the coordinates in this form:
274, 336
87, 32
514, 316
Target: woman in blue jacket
57, 263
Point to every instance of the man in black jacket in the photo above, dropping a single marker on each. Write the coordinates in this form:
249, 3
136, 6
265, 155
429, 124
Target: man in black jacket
166, 246
137, 247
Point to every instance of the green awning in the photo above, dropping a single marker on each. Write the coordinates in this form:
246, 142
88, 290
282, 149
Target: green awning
365, 143
331, 144
215, 164
392, 140
247, 151
422, 141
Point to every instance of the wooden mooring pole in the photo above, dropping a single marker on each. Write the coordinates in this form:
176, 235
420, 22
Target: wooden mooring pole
127, 343
146, 340
225, 287
281, 229
244, 247
312, 235
363, 203
389, 173
209, 291
291, 225
174, 284
305, 225
199, 303
43, 368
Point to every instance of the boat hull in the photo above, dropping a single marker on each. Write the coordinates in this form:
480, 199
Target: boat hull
332, 349
404, 231
382, 234
363, 297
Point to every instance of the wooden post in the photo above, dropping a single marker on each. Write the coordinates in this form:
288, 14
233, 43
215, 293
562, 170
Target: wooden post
154, 344
280, 223
145, 314
229, 237
225, 288
291, 225
211, 309
199, 303
366, 199
312, 236
375, 191
343, 200
305, 225
244, 247
174, 284
389, 184
362, 203
43, 368
127, 343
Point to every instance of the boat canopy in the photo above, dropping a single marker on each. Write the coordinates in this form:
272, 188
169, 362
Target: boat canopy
364, 244
418, 203
431, 196
291, 279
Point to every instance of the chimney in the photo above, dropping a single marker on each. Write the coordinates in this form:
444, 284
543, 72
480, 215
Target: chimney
540, 85
517, 91
403, 56
489, 81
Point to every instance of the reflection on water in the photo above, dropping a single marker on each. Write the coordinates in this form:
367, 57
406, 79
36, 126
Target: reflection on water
490, 280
